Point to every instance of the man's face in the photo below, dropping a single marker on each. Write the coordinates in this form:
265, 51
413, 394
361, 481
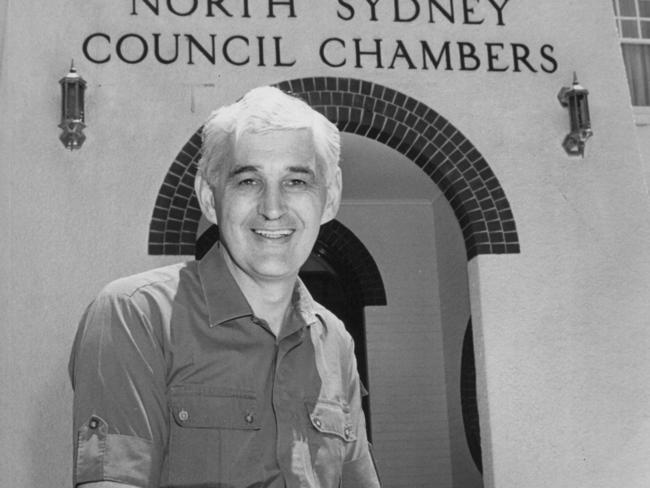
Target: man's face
269, 203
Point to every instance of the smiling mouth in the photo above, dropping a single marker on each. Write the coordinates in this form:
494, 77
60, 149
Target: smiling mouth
273, 234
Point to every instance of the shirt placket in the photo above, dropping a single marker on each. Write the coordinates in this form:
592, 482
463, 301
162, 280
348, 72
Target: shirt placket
294, 466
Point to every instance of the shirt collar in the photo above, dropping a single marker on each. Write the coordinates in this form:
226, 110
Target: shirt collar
225, 299
303, 303
222, 294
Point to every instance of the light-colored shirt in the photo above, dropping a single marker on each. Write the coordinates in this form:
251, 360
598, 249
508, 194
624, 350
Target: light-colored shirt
177, 383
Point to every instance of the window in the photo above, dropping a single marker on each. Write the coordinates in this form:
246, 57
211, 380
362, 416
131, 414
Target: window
633, 22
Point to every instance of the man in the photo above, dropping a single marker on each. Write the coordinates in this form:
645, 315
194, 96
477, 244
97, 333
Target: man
224, 372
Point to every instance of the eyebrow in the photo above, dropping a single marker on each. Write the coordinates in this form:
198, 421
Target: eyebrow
302, 170
249, 168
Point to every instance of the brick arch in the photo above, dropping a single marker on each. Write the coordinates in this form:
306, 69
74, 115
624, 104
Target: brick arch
387, 116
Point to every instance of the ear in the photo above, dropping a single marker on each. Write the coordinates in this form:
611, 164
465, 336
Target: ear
333, 197
205, 196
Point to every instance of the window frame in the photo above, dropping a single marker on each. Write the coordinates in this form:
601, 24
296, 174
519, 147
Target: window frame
641, 112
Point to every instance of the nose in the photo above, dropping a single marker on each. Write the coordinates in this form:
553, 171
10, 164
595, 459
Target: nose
272, 203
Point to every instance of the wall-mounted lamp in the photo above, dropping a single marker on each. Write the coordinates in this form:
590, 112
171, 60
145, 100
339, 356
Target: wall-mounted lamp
575, 98
73, 87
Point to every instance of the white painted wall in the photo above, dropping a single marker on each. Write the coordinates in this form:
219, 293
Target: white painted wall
643, 138
405, 344
454, 315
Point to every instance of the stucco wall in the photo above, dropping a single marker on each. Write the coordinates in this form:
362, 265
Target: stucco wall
643, 137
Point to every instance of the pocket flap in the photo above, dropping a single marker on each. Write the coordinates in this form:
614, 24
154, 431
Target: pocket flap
331, 418
214, 408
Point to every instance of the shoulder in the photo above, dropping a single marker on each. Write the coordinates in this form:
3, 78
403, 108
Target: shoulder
147, 293
139, 306
333, 329
147, 281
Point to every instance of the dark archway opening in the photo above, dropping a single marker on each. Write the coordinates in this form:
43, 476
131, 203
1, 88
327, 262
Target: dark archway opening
469, 402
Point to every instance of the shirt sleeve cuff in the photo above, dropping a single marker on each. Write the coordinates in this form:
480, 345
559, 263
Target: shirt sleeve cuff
101, 456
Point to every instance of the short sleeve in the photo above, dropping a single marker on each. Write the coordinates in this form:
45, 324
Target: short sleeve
117, 370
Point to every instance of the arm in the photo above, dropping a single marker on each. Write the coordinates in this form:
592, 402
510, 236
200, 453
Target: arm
118, 376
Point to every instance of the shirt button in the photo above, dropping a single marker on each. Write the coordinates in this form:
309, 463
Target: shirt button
94, 423
183, 415
249, 418
347, 432
317, 422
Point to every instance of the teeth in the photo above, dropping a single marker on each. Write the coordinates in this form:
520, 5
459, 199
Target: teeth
274, 234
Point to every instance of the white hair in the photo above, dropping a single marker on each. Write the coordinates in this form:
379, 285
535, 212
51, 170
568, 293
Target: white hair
260, 110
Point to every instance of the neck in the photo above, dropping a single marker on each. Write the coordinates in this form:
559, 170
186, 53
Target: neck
269, 299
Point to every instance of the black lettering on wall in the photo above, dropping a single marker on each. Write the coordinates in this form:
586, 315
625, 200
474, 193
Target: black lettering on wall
493, 56
208, 54
153, 7
119, 48
172, 8
373, 9
447, 12
156, 49
226, 51
428, 54
547, 53
469, 61
401, 53
520, 54
467, 15
325, 57
499, 9
348, 15
359, 52
277, 43
219, 5
87, 42
260, 51
286, 3
414, 13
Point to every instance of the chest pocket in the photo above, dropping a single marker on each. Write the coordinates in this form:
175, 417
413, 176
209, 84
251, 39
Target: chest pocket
331, 418
214, 408
206, 426
330, 433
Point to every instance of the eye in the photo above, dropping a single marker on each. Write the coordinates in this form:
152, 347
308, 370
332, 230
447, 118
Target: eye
247, 182
296, 182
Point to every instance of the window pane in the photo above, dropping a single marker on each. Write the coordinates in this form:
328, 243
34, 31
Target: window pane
637, 68
628, 8
630, 29
645, 29
644, 8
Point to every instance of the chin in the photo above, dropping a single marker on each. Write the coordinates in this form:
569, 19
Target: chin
273, 272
